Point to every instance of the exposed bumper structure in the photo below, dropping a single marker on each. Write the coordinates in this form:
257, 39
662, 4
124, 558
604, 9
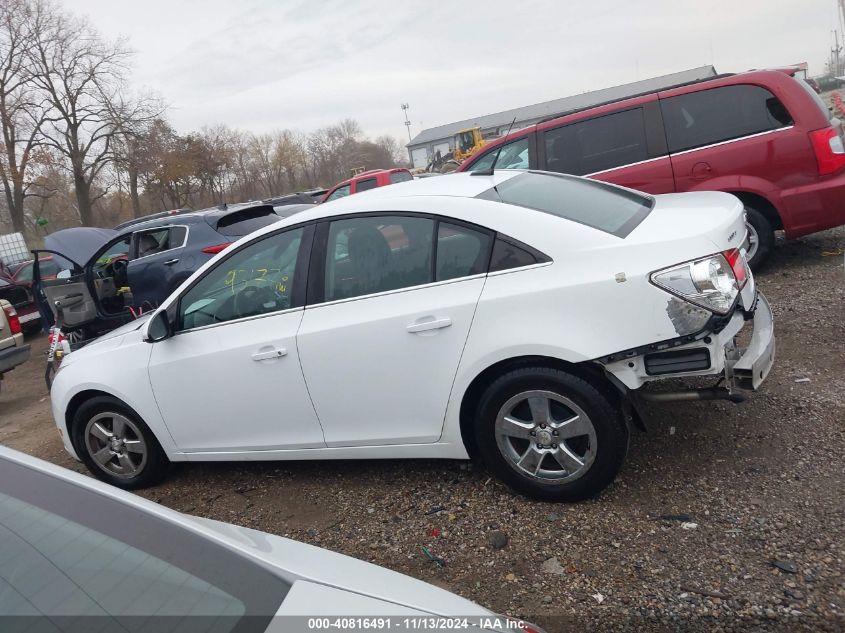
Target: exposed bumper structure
11, 357
743, 368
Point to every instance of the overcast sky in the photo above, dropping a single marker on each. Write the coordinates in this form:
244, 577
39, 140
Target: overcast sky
301, 64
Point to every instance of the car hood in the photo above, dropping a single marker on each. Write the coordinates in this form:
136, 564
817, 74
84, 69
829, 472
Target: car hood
78, 244
301, 562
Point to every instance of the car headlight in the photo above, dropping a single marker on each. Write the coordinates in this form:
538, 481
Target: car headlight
711, 282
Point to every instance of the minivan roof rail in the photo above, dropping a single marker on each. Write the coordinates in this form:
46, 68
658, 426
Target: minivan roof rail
551, 117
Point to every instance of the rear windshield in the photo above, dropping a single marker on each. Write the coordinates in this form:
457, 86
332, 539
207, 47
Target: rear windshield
595, 204
246, 221
814, 96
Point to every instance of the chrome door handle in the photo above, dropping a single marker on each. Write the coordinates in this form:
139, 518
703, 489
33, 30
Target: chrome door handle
273, 353
432, 324
170, 262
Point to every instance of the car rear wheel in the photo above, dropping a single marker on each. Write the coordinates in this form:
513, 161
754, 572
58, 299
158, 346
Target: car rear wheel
550, 435
116, 445
761, 237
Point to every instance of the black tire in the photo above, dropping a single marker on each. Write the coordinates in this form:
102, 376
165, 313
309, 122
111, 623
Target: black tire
608, 423
765, 237
155, 463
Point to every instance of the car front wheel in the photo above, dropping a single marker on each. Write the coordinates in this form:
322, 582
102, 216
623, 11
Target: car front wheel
550, 435
116, 445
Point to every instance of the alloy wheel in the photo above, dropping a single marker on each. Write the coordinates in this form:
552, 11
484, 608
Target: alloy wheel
546, 436
116, 445
752, 242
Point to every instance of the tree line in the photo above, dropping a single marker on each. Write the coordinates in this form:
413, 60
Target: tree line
81, 146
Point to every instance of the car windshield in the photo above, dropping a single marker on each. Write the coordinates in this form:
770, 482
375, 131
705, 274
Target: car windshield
601, 206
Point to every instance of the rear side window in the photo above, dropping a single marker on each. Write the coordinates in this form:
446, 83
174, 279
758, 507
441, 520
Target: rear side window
377, 254
595, 204
514, 155
599, 144
400, 176
461, 251
720, 114
363, 185
507, 254
245, 221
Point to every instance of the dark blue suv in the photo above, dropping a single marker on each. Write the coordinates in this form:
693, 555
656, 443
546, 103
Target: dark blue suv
134, 267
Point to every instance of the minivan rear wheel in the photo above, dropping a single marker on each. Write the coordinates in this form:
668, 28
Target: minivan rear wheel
761, 237
550, 435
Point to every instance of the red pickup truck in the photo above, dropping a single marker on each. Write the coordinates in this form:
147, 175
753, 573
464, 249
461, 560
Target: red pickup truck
367, 180
764, 136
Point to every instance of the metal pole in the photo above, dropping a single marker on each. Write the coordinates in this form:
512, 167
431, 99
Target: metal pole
404, 107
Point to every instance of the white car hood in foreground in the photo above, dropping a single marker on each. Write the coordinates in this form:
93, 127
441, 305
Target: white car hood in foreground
295, 560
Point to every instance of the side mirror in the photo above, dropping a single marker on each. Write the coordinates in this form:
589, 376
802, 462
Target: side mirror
158, 327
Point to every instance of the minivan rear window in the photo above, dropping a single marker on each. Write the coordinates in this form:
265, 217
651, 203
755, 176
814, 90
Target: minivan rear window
595, 204
720, 114
245, 221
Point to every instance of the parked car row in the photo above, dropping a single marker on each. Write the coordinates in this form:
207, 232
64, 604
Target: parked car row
764, 136
514, 316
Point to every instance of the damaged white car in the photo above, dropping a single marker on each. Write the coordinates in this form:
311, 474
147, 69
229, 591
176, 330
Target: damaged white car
513, 315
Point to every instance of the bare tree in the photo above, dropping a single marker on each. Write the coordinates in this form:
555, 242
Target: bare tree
83, 78
21, 107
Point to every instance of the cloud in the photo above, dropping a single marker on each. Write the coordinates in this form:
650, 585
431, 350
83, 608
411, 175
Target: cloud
263, 64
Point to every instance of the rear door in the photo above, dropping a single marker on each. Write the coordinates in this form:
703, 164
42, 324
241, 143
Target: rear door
625, 147
381, 343
156, 259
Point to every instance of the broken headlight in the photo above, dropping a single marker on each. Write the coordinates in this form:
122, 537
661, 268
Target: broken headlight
708, 282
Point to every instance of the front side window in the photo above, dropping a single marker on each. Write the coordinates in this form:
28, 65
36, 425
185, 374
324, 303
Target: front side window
514, 155
461, 251
105, 262
599, 144
256, 280
71, 553
376, 254
340, 192
711, 116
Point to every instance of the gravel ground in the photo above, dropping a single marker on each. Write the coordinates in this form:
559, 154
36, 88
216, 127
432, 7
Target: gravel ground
725, 517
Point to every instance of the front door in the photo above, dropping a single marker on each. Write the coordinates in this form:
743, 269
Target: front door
229, 379
381, 352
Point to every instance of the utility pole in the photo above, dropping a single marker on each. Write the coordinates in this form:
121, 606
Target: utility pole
836, 55
404, 107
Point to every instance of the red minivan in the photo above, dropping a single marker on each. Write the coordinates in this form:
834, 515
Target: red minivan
764, 136
367, 180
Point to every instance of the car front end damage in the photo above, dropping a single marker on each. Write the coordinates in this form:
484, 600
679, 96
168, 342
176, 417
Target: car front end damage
713, 337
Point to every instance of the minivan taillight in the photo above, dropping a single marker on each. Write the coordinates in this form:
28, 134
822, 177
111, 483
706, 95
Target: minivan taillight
12, 318
213, 250
830, 152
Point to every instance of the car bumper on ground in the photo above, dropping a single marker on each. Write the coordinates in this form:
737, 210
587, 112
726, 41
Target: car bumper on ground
743, 367
11, 357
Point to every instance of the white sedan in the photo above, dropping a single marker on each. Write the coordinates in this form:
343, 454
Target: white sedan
77, 555
513, 316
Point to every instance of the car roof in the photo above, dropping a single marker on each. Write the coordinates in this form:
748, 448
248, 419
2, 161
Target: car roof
612, 105
192, 217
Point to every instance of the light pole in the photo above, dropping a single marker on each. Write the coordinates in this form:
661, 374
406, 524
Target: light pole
404, 107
